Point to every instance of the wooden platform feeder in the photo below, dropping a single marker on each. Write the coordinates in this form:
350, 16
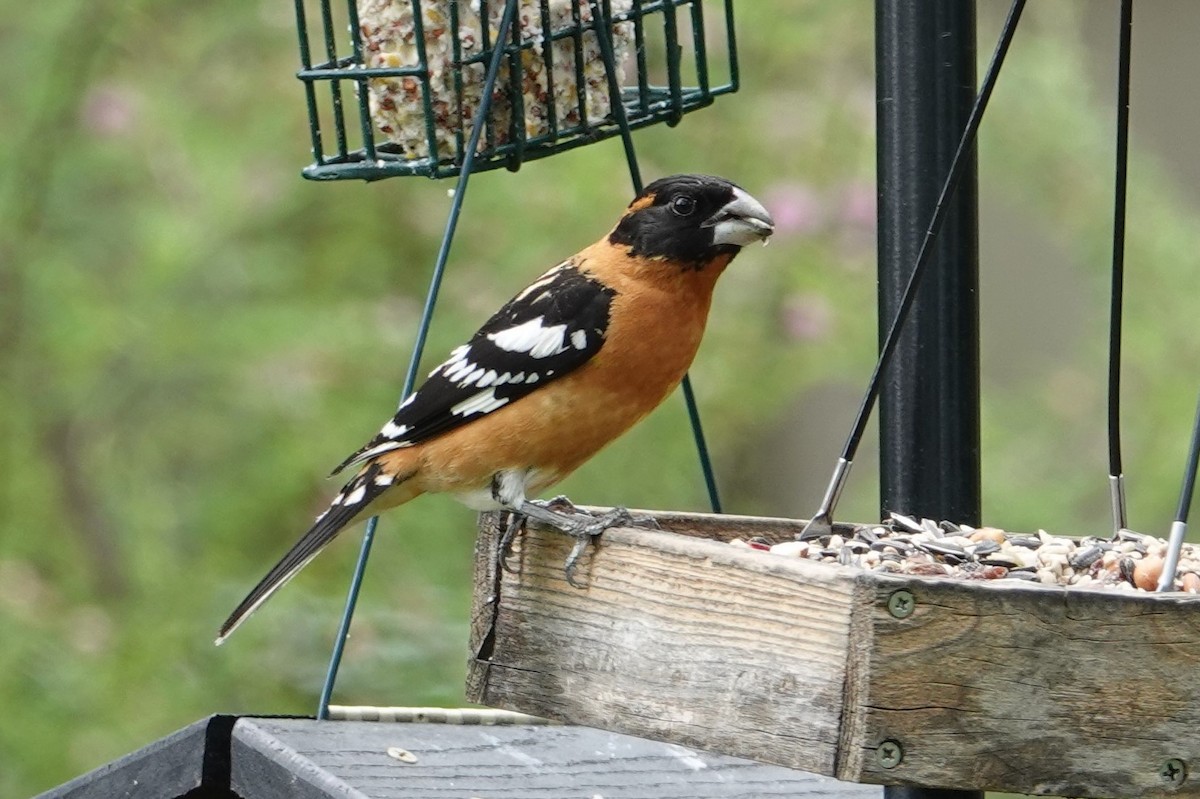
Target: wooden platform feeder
867, 677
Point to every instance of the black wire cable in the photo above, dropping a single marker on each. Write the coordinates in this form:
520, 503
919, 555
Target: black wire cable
1189, 477
1116, 473
821, 520
1179, 528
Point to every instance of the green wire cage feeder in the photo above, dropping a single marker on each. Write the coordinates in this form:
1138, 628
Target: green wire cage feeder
410, 80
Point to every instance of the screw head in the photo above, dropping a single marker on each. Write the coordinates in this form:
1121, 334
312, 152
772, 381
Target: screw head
1173, 771
901, 604
890, 753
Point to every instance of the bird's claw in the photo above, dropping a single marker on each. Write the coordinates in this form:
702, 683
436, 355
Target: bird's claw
585, 528
569, 566
561, 514
515, 524
563, 506
560, 504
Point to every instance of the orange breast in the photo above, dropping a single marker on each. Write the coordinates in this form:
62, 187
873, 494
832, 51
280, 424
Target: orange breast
656, 324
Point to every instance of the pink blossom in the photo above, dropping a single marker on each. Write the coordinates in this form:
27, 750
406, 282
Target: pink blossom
807, 317
110, 110
857, 207
796, 208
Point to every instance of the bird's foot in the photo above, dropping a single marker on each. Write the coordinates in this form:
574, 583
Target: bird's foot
586, 528
561, 514
513, 523
560, 504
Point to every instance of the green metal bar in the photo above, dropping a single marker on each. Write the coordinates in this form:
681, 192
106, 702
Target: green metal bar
456, 49
639, 47
671, 32
706, 467
310, 92
603, 25
435, 284
516, 102
342, 61
426, 90
390, 164
700, 46
731, 41
364, 100
580, 99
548, 41
335, 87
485, 38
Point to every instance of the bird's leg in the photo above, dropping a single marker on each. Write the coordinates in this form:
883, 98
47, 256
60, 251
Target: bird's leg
618, 515
581, 526
575, 524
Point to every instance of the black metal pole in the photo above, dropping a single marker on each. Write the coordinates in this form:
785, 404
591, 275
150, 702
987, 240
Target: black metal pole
929, 402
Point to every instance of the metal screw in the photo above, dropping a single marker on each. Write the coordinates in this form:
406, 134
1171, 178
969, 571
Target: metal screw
1173, 771
889, 753
901, 604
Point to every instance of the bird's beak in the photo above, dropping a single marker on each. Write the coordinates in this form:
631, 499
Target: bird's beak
741, 221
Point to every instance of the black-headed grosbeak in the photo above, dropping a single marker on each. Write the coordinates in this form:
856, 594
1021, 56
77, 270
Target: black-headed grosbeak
566, 366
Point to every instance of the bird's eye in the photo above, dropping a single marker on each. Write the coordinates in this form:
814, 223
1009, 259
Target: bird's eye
683, 205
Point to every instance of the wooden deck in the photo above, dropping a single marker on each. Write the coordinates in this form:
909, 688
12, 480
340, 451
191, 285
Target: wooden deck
293, 758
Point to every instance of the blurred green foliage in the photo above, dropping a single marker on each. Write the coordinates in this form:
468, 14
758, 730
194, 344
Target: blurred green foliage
191, 335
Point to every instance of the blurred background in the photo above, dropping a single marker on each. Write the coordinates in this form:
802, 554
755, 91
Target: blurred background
191, 336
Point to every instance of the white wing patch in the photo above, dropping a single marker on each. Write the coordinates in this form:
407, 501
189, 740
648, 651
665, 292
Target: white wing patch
541, 282
462, 373
552, 327
483, 402
393, 430
460, 369
379, 449
458, 356
532, 337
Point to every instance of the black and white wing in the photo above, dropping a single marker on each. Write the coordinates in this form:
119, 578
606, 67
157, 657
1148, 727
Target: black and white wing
549, 329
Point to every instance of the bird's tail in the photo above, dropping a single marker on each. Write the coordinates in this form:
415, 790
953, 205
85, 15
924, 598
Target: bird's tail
354, 498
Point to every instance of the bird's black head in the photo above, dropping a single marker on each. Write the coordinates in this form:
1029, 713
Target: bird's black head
691, 219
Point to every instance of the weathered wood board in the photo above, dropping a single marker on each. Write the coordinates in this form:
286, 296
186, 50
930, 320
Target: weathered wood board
297, 758
305, 759
993, 685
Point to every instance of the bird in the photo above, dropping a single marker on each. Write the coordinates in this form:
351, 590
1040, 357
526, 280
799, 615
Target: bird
570, 363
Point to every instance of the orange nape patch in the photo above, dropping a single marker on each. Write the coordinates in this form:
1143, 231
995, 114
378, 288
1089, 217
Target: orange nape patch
640, 203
